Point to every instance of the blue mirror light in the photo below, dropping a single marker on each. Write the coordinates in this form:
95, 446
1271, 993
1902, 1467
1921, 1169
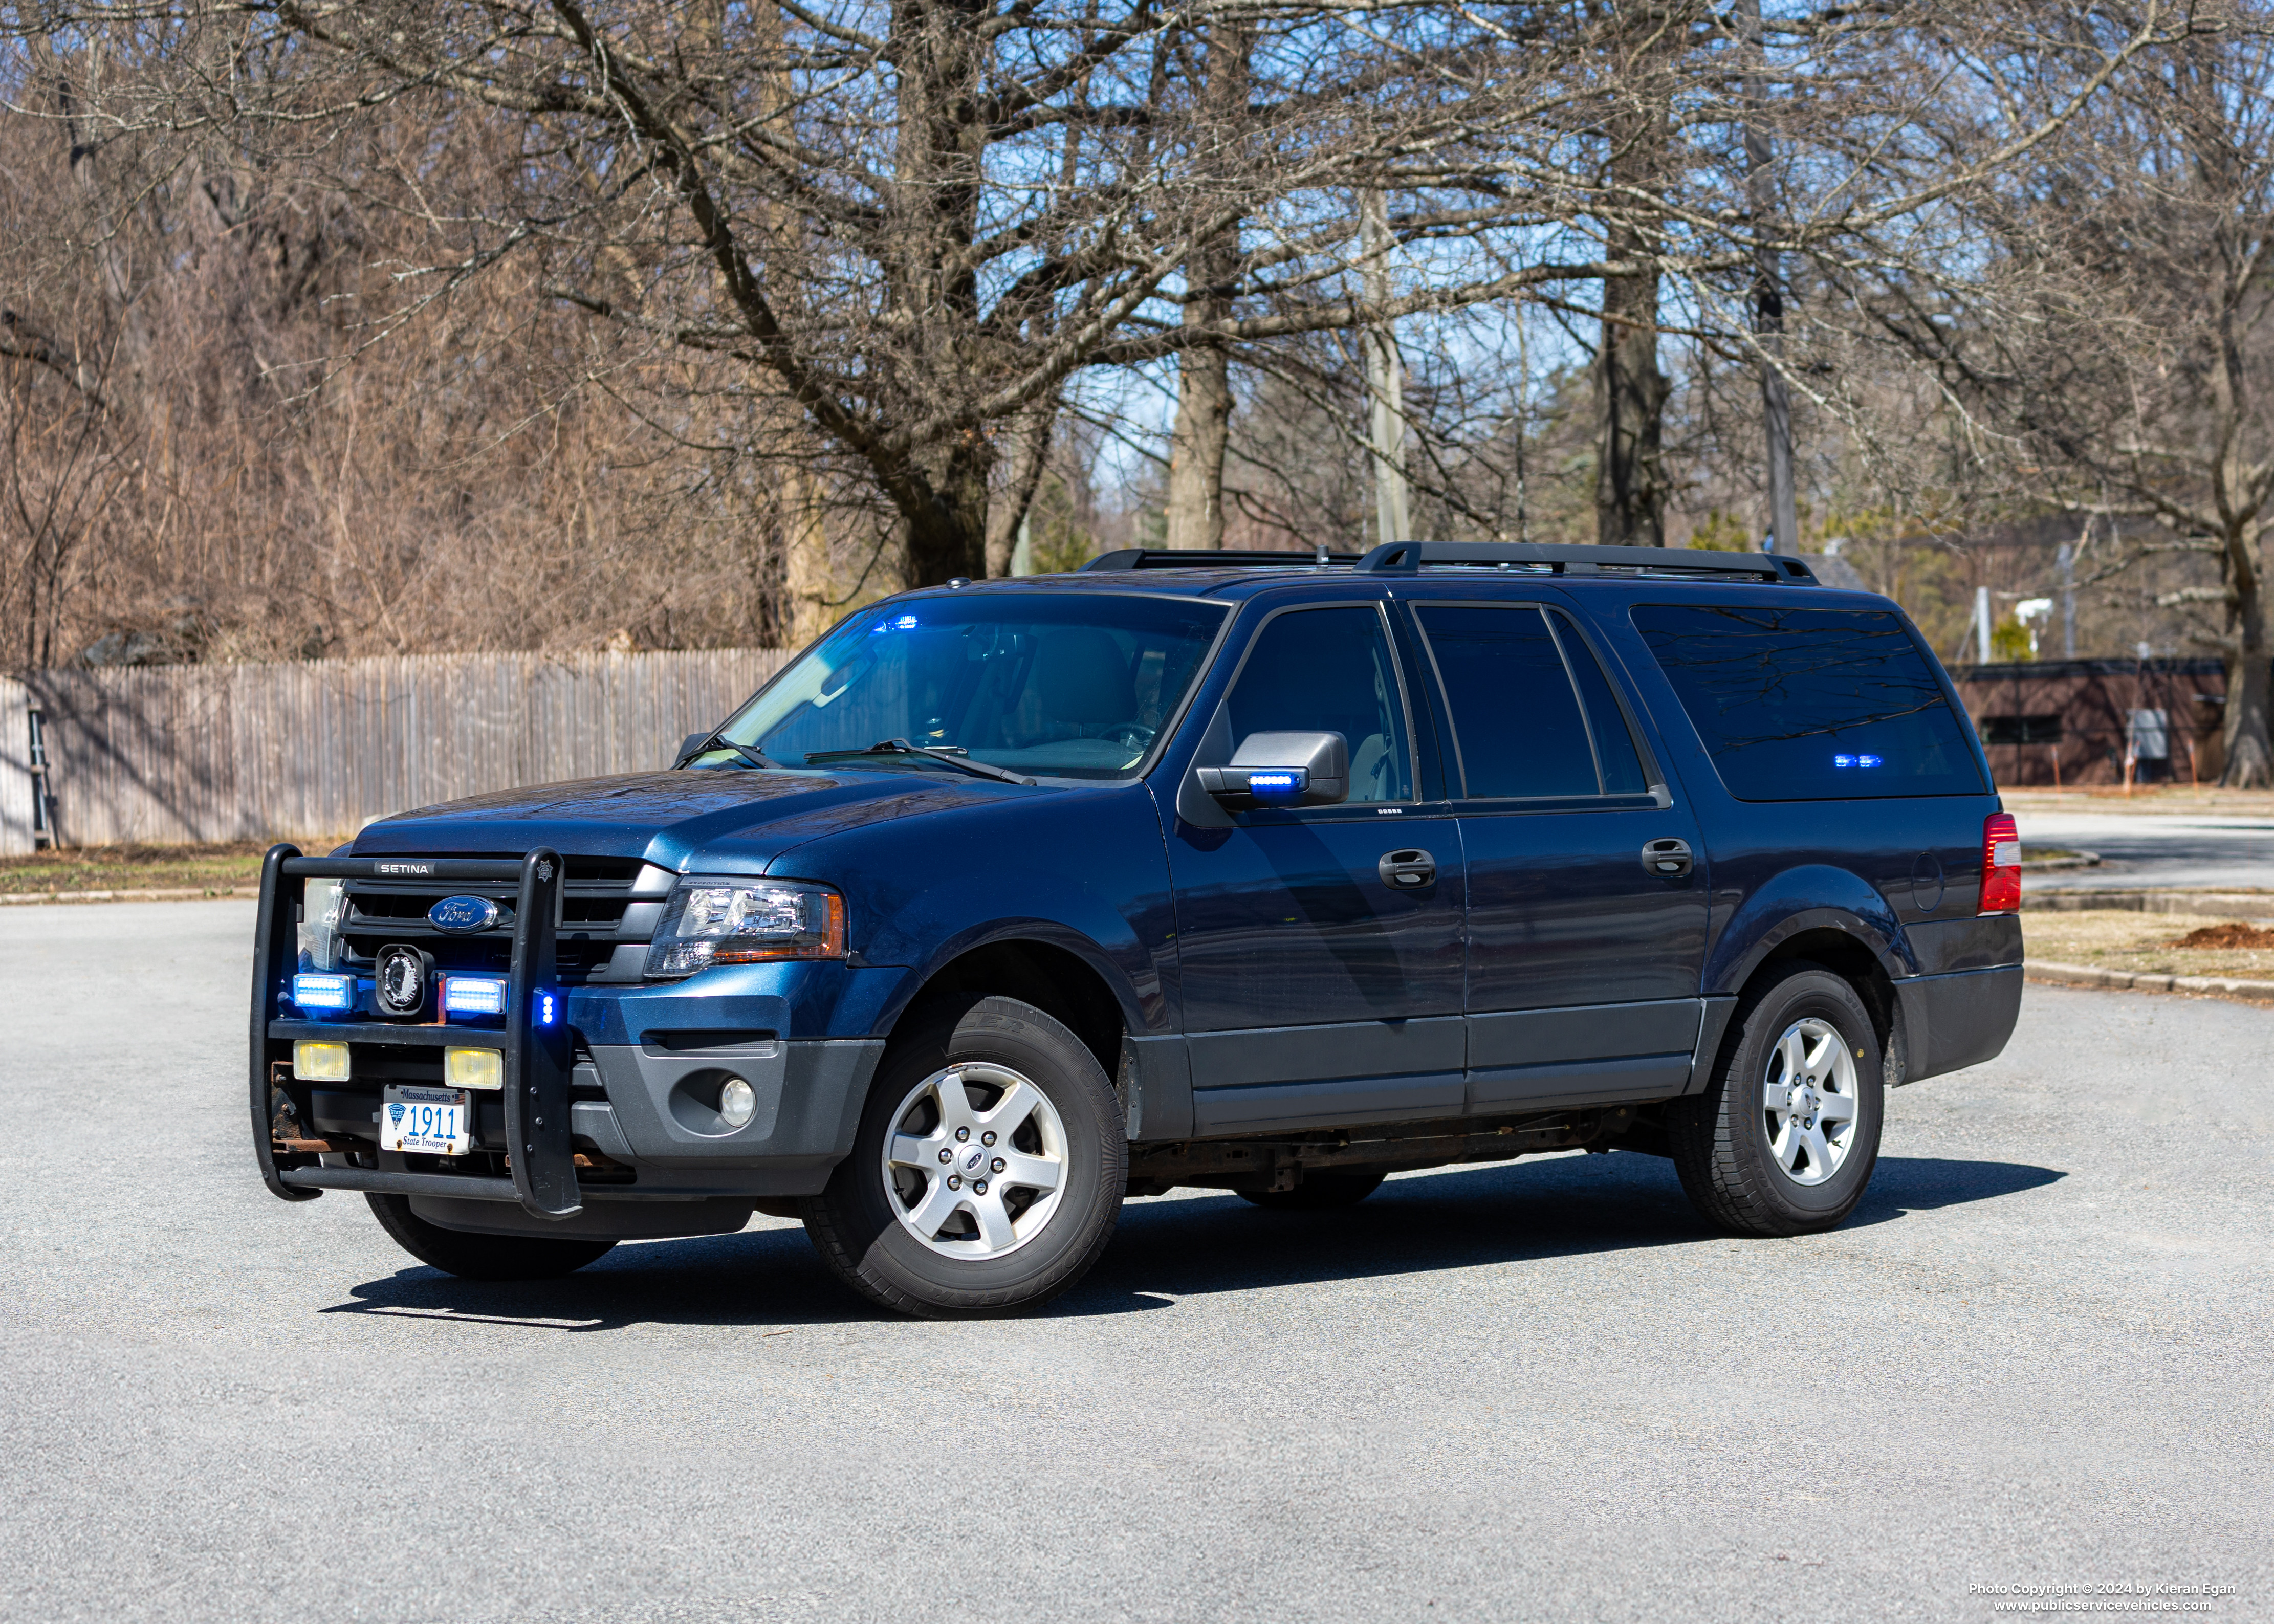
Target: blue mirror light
333, 994
1284, 782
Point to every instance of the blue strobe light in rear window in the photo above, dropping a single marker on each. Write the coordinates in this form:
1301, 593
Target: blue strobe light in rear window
469, 994
331, 995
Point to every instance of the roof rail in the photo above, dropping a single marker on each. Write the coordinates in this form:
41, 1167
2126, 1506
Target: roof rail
1158, 558
1405, 557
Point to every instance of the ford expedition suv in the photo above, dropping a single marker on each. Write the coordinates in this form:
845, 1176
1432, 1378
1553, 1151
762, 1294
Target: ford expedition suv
1009, 901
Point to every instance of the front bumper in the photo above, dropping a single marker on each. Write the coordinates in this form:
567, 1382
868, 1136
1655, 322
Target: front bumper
612, 1106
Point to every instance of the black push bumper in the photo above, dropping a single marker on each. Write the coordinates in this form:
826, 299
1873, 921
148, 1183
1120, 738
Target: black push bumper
541, 1151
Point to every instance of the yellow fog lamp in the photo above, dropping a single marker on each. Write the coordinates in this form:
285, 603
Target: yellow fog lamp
320, 1062
473, 1068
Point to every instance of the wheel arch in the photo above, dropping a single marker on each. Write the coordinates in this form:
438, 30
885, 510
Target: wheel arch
1054, 977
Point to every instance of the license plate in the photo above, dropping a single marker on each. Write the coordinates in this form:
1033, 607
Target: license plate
426, 1122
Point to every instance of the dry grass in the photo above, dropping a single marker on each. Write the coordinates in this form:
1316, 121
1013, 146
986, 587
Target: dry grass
2164, 800
236, 864
2116, 939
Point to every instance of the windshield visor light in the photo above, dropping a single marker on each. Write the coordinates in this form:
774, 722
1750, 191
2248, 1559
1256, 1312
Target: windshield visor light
473, 1068
332, 994
472, 995
320, 1062
710, 922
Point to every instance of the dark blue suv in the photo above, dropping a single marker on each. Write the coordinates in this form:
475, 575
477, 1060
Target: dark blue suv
1009, 900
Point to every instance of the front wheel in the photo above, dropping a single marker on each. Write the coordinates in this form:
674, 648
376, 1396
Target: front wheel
988, 1173
1785, 1137
481, 1257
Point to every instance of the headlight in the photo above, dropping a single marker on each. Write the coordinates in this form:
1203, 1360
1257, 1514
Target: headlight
714, 921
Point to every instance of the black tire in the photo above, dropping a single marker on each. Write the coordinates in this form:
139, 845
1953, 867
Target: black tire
481, 1257
854, 1222
1318, 1192
1720, 1139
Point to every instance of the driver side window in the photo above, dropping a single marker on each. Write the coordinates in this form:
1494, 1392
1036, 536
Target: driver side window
1330, 670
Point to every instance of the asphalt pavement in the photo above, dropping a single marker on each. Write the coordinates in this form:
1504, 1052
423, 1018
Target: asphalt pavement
2195, 852
1540, 1390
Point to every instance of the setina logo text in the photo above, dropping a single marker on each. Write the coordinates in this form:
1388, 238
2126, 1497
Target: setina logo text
414, 868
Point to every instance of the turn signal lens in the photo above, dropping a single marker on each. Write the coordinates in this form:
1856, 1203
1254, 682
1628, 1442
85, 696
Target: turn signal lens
473, 1068
2001, 864
320, 1063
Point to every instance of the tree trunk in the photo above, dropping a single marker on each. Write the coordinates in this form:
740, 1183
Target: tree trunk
2249, 757
1031, 454
947, 537
1196, 447
1631, 392
1203, 427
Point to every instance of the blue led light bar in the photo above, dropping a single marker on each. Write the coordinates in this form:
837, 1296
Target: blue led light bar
334, 994
471, 995
1858, 761
1286, 782
548, 1008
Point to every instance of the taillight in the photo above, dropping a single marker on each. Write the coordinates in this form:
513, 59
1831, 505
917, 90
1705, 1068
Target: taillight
2001, 864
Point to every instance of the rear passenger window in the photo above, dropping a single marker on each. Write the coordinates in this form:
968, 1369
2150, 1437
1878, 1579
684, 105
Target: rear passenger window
1811, 704
1519, 728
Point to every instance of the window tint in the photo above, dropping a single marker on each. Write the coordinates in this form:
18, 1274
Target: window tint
1615, 746
1515, 717
1329, 671
1811, 704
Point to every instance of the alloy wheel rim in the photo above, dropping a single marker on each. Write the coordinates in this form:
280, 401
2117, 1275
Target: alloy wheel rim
1810, 1106
975, 1163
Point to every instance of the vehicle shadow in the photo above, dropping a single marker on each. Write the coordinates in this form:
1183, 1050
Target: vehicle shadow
1461, 1218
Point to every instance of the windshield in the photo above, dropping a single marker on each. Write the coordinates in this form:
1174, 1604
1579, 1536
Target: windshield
1074, 685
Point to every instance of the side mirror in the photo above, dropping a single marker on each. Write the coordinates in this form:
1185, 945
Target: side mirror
1283, 770
687, 746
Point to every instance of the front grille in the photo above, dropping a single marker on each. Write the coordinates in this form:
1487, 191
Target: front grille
609, 909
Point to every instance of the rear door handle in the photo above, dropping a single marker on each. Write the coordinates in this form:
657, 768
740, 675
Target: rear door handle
1668, 859
1410, 869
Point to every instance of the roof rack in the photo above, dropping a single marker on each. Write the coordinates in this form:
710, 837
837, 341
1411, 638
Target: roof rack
1405, 557
1158, 558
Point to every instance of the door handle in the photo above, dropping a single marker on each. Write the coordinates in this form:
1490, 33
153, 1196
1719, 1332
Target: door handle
1668, 859
1410, 869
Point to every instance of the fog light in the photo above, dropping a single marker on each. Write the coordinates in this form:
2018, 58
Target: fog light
737, 1103
335, 993
320, 1062
466, 995
473, 1068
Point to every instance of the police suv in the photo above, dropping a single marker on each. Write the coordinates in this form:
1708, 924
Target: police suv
1008, 901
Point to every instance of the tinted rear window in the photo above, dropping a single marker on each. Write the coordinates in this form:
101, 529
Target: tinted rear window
1811, 704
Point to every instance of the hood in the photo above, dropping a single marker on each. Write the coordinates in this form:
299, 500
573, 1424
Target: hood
739, 819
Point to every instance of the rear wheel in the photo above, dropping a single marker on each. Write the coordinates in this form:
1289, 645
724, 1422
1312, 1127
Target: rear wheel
482, 1256
1784, 1139
988, 1173
1318, 1192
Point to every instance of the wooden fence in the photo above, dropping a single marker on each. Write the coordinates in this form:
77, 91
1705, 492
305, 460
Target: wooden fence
191, 753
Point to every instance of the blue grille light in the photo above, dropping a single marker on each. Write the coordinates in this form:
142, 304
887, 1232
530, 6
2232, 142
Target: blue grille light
547, 1009
467, 995
332, 994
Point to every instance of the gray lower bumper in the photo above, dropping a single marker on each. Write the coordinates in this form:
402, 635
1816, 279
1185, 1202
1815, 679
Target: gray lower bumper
662, 1111
1955, 1020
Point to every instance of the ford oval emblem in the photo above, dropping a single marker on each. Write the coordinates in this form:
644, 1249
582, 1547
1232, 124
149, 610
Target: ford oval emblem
461, 916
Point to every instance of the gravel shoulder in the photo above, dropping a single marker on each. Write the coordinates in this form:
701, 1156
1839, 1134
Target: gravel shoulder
1540, 1390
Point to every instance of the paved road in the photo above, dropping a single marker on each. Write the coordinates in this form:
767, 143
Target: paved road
1538, 1391
2196, 853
